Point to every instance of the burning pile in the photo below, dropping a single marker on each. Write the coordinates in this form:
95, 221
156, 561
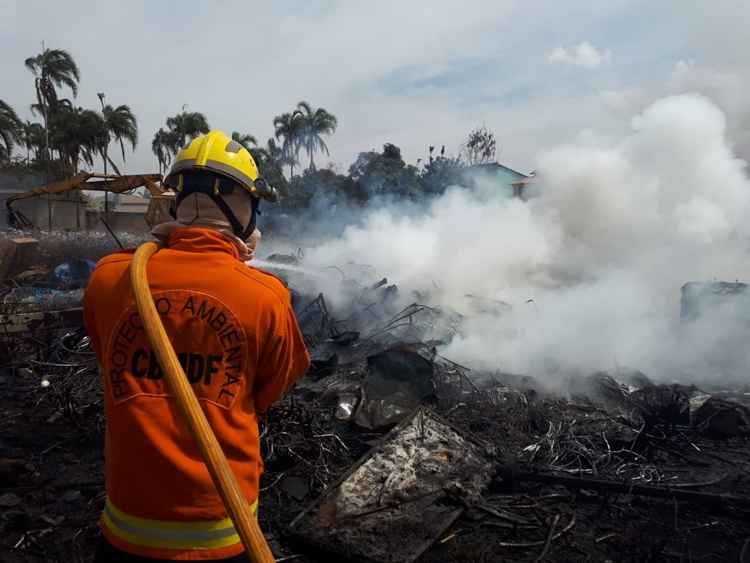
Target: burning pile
614, 434
387, 442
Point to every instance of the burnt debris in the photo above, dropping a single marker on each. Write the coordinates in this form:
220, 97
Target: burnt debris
388, 451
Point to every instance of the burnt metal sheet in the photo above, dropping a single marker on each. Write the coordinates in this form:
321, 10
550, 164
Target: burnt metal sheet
401, 497
397, 382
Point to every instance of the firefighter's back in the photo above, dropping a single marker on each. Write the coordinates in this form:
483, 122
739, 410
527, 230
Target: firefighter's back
224, 320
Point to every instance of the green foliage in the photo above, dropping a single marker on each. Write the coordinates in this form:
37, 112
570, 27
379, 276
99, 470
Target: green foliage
245, 140
323, 183
440, 173
382, 174
77, 134
11, 130
313, 124
32, 135
69, 134
120, 125
187, 125
377, 175
269, 160
166, 143
288, 130
53, 68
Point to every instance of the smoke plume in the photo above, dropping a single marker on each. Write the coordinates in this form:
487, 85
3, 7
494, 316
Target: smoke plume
592, 264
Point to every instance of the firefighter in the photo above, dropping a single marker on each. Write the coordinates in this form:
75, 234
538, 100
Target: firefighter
236, 336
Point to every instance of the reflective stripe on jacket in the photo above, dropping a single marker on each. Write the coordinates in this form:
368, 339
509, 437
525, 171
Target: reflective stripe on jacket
170, 534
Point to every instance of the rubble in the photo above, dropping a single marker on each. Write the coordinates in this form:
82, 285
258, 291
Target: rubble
45, 297
398, 500
388, 451
284, 259
16, 255
721, 418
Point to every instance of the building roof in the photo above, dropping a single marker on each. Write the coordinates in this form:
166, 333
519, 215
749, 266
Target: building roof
494, 166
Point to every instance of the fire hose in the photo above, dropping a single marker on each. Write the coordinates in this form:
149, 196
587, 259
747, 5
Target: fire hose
224, 480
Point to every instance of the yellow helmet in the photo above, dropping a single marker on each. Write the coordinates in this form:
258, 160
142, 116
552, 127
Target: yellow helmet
218, 153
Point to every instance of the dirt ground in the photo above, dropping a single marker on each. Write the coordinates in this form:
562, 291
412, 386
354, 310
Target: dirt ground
51, 485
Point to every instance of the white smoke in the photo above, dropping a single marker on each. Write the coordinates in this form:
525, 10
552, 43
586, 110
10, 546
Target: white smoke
724, 87
593, 263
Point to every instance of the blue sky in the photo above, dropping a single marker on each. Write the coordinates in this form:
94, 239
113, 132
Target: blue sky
411, 73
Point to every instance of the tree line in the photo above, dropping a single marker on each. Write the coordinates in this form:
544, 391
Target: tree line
301, 129
66, 136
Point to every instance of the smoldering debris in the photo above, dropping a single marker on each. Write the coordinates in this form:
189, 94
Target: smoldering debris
397, 381
590, 264
401, 451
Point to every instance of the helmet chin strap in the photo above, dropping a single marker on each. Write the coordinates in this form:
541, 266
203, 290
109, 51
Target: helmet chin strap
213, 190
238, 229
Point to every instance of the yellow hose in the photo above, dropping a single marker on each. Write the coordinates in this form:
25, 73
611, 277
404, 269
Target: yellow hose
224, 480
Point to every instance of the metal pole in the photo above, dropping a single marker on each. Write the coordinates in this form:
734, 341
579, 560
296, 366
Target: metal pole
111, 232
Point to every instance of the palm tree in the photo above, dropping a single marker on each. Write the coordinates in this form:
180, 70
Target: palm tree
121, 126
288, 129
78, 134
276, 154
52, 69
270, 152
32, 137
270, 159
314, 124
56, 107
245, 140
10, 130
273, 150
188, 125
160, 146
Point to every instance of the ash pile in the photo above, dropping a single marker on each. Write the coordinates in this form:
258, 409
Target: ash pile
387, 451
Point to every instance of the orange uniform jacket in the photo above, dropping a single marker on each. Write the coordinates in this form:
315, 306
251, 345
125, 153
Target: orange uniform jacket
237, 338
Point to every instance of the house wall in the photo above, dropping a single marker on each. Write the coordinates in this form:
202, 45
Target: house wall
64, 206
118, 222
15, 182
494, 175
506, 177
63, 209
